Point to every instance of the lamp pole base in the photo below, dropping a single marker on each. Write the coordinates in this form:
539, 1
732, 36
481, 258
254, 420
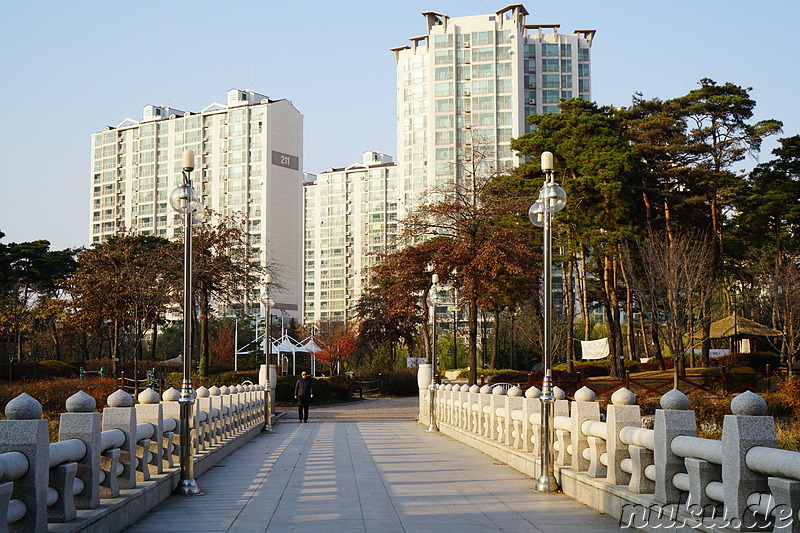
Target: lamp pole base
187, 487
546, 484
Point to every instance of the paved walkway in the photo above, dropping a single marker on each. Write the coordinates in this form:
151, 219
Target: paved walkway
366, 475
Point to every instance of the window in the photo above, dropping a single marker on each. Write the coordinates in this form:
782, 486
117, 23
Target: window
480, 38
444, 121
566, 65
550, 50
583, 70
566, 95
550, 65
482, 54
566, 49
550, 97
444, 73
566, 81
551, 81
443, 57
583, 86
443, 41
444, 106
483, 71
443, 89
583, 54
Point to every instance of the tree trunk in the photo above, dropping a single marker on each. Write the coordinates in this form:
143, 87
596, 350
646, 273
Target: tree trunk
657, 345
496, 339
584, 297
115, 349
473, 339
609, 300
205, 354
569, 309
153, 346
630, 338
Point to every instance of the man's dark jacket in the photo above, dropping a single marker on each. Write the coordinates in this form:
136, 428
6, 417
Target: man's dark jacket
303, 387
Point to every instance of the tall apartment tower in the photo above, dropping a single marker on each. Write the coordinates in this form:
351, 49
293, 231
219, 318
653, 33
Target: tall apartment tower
248, 161
465, 88
350, 218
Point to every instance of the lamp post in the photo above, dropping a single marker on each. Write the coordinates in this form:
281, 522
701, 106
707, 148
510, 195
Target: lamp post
433, 298
266, 305
552, 199
182, 199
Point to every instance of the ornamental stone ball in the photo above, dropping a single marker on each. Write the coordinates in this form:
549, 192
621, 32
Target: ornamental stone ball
486, 389
148, 396
441, 386
585, 394
514, 391
120, 398
171, 395
532, 392
448, 387
203, 392
80, 402
464, 388
749, 403
498, 390
475, 389
215, 391
224, 390
675, 400
234, 389
623, 397
559, 393
23, 407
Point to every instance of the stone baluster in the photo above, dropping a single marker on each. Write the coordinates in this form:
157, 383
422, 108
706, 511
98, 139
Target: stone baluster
172, 409
474, 408
150, 411
61, 478
25, 431
497, 401
745, 428
236, 410
513, 403
218, 419
641, 459
81, 422
583, 408
484, 407
206, 428
622, 412
226, 412
673, 419
530, 409
120, 415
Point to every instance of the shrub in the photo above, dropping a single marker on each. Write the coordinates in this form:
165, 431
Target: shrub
60, 369
401, 383
326, 391
756, 360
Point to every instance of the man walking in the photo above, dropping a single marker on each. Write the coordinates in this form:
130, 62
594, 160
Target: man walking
303, 392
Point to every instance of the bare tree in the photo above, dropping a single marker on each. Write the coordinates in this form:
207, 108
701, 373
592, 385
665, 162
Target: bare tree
671, 276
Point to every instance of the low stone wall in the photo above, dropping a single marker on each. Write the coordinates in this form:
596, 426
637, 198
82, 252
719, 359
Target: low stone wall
105, 472
651, 479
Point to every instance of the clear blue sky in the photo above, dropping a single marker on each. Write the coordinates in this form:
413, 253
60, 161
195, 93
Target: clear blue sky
68, 69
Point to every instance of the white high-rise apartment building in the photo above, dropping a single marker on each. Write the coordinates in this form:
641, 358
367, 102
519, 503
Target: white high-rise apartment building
248, 161
350, 218
465, 88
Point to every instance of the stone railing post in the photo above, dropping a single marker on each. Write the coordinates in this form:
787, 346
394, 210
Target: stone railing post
81, 422
205, 430
531, 407
226, 412
149, 411
120, 415
745, 428
583, 408
219, 421
673, 419
171, 408
513, 403
25, 431
484, 397
423, 383
622, 412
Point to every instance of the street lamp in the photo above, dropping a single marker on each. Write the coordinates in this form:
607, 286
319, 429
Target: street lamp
267, 303
433, 299
552, 199
182, 199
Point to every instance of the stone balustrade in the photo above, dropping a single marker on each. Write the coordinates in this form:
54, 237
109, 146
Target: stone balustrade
643, 476
97, 474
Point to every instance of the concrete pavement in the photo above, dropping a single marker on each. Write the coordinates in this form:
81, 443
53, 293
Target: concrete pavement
366, 475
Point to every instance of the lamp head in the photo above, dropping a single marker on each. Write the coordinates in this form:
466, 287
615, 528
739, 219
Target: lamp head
547, 161
536, 214
555, 197
188, 160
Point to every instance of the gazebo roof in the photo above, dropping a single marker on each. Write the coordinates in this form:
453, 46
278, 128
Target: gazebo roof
737, 326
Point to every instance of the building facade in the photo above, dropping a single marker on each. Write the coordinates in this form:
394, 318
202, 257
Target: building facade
465, 87
248, 162
350, 218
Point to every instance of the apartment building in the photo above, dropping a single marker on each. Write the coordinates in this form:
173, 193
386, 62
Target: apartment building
248, 162
466, 86
350, 218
